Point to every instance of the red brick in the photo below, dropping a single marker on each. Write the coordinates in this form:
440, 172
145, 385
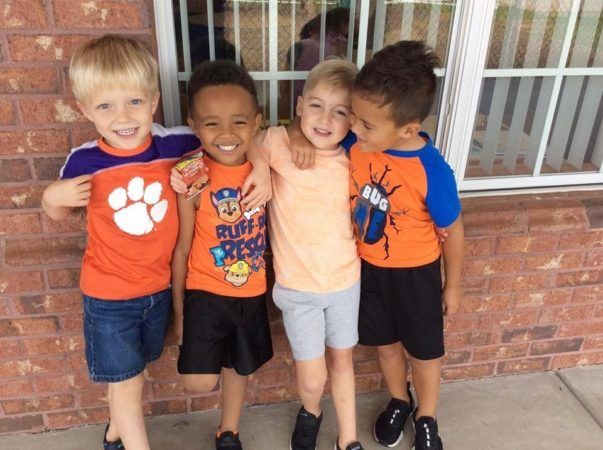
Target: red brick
511, 319
50, 111
29, 405
62, 382
162, 371
77, 417
75, 221
586, 239
578, 359
561, 314
455, 358
163, 389
594, 210
20, 14
546, 298
207, 402
555, 215
475, 285
21, 252
270, 377
45, 47
30, 366
518, 283
481, 303
29, 81
47, 169
9, 349
25, 326
558, 346
594, 259
587, 328
63, 278
500, 352
92, 397
468, 372
554, 261
580, 278
20, 223
20, 196
460, 322
587, 294
493, 218
21, 424
478, 246
492, 266
278, 395
526, 244
366, 367
13, 170
367, 383
75, 360
4, 309
99, 14
593, 343
7, 113
15, 282
168, 407
52, 345
72, 323
598, 312
83, 133
523, 365
529, 333
49, 303
15, 388
33, 141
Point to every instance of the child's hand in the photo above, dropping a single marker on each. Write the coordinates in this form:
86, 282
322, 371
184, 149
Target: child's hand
70, 192
451, 299
177, 181
302, 152
441, 234
259, 180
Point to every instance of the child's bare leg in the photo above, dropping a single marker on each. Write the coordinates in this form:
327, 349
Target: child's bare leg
196, 383
341, 370
234, 387
392, 361
426, 376
127, 419
311, 379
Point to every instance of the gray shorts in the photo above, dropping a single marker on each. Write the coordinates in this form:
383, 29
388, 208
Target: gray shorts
313, 320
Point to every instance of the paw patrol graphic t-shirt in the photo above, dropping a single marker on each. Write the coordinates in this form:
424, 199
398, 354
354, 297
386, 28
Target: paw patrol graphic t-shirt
227, 253
397, 196
132, 214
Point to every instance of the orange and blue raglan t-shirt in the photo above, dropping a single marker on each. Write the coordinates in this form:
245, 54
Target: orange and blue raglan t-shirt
396, 198
132, 214
227, 252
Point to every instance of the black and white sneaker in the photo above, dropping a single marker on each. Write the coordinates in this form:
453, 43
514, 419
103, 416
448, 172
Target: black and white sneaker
426, 434
353, 446
227, 440
389, 427
115, 445
305, 431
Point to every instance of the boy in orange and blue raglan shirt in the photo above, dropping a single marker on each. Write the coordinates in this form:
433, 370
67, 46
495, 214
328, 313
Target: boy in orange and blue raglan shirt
123, 180
400, 187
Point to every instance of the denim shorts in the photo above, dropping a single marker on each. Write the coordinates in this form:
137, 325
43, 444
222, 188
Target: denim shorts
122, 336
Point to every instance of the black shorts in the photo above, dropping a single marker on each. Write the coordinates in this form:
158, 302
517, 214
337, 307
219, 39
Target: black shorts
403, 305
222, 331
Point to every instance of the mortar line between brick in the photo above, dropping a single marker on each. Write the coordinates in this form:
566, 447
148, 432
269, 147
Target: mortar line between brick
581, 399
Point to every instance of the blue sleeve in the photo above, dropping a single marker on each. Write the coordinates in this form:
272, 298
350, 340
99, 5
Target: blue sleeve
349, 140
442, 197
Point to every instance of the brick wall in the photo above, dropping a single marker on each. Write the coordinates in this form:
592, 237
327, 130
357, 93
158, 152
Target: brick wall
533, 280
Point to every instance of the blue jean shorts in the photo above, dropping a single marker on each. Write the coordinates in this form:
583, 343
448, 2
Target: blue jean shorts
122, 336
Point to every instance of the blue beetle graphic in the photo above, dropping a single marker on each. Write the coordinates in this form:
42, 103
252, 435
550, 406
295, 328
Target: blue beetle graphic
372, 210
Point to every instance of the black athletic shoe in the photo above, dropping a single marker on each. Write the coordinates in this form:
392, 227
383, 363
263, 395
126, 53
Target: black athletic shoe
228, 441
389, 427
426, 434
352, 446
305, 431
116, 445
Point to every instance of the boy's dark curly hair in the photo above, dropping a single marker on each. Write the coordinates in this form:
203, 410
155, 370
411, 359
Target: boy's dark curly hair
219, 73
400, 75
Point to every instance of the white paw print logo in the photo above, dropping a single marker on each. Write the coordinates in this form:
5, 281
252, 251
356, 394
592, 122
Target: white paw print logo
139, 217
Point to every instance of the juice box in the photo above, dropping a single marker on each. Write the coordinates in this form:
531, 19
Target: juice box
194, 174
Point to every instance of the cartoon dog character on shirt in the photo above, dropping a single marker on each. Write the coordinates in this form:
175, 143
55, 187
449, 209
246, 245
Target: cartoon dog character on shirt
237, 273
227, 204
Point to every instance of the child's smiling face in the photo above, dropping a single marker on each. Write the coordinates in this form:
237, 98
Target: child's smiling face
225, 119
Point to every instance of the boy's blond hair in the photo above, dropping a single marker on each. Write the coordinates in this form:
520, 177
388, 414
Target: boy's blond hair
112, 61
332, 72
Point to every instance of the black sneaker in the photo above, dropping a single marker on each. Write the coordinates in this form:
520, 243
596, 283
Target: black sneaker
353, 446
116, 445
389, 427
426, 434
228, 441
305, 431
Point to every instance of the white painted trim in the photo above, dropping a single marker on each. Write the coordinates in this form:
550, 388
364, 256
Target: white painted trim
273, 59
186, 40
362, 32
210, 30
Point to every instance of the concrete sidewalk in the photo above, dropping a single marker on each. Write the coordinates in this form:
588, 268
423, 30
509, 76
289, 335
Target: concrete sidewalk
552, 410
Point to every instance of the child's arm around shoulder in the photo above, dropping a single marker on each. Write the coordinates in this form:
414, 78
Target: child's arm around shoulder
186, 216
63, 195
453, 250
259, 179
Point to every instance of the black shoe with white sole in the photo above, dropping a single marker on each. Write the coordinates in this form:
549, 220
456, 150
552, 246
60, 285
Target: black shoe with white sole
389, 427
426, 434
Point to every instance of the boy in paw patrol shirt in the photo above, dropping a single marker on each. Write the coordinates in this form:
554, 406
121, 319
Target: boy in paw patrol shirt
218, 269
